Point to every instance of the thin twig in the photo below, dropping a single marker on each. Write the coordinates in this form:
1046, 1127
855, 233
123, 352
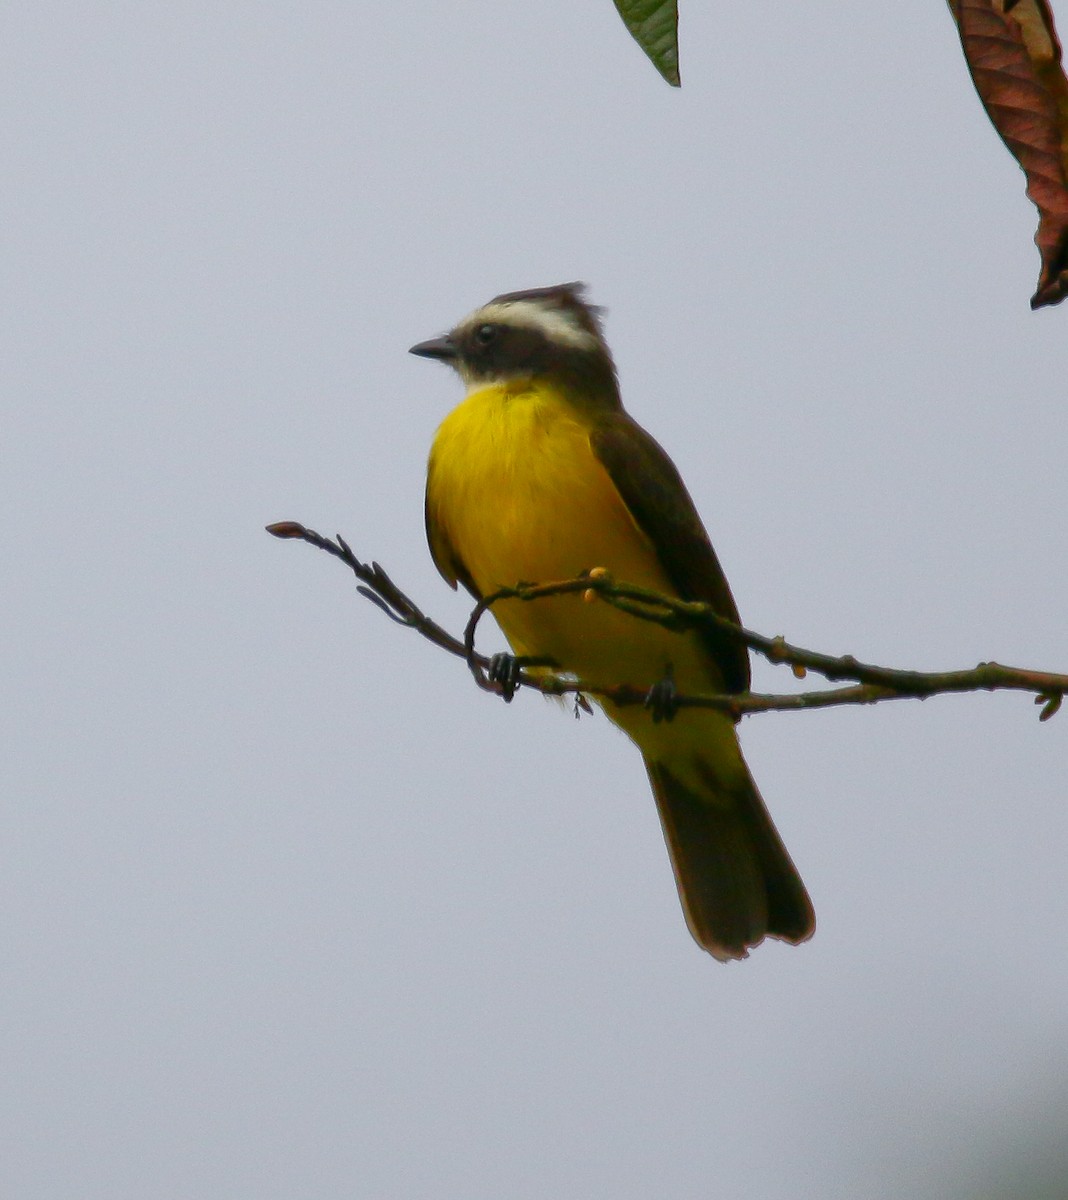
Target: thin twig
871, 684
378, 587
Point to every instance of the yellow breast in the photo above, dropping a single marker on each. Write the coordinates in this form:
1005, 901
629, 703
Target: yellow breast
517, 494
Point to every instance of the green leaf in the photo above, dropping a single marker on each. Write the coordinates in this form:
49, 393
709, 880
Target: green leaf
654, 25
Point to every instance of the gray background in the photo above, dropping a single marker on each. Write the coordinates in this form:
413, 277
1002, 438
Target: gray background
289, 908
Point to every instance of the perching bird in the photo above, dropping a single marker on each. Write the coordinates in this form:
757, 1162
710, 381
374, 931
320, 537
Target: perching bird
540, 475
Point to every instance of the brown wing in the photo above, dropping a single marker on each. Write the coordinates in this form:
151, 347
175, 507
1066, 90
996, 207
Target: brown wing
653, 491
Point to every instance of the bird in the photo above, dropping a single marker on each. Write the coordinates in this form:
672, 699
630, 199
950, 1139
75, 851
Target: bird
538, 475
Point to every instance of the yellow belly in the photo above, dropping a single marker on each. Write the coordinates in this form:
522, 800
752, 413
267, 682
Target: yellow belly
517, 492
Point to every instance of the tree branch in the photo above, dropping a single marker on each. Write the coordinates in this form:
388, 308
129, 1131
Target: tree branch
870, 683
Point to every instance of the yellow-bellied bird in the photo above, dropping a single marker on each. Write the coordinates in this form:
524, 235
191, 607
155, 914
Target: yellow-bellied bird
540, 475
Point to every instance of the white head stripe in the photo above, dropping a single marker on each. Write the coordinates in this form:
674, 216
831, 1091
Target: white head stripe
557, 324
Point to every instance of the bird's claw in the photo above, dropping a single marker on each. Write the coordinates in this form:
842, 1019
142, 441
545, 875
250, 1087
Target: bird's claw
662, 699
504, 671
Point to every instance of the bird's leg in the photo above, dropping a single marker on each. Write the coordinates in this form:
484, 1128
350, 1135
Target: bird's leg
662, 699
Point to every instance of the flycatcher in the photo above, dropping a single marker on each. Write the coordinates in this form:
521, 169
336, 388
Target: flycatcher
540, 475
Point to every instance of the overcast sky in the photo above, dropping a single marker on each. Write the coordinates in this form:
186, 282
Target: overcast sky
291, 910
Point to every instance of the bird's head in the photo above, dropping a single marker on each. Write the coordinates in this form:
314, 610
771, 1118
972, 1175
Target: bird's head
544, 333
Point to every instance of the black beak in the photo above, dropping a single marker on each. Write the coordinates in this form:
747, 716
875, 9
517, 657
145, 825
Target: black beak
442, 347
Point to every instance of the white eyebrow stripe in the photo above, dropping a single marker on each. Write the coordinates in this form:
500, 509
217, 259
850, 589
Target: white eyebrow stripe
558, 325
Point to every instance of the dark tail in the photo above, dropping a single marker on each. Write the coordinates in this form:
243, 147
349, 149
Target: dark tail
735, 879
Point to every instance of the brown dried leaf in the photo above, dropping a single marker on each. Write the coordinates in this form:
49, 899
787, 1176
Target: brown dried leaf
1014, 56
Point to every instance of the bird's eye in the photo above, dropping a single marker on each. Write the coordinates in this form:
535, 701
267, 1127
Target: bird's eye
485, 334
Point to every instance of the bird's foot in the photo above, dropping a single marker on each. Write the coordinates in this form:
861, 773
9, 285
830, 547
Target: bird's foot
662, 699
504, 671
